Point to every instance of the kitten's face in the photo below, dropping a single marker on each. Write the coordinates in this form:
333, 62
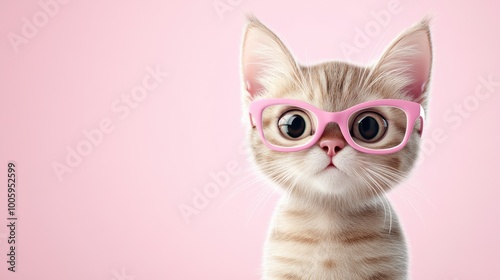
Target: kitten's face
269, 71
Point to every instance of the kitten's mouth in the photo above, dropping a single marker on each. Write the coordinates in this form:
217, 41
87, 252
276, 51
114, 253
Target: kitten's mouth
330, 166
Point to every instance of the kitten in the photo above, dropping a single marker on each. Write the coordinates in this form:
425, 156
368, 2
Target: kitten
334, 221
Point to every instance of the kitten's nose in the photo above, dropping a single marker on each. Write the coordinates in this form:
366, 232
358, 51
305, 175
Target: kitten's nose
331, 146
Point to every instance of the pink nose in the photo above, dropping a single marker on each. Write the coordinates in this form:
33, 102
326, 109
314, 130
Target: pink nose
331, 146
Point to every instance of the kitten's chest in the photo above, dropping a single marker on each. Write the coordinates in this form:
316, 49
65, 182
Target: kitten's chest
302, 243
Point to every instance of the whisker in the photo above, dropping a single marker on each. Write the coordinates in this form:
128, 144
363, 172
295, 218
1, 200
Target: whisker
379, 187
263, 196
254, 178
393, 176
280, 179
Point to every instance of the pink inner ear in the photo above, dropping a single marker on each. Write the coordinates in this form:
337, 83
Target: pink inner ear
250, 72
420, 63
253, 59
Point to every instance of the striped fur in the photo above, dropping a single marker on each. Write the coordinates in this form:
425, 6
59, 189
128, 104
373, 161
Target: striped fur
334, 224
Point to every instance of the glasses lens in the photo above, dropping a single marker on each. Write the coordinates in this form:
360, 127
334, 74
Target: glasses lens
377, 128
288, 126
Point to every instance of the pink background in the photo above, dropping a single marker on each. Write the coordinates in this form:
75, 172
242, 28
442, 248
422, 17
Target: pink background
116, 215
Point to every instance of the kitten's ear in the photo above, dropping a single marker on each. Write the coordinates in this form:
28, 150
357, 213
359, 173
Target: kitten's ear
407, 61
264, 59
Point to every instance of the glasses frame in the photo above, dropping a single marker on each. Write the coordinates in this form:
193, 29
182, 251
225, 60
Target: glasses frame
412, 110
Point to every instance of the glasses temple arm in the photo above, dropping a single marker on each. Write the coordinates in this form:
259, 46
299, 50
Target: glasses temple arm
251, 120
422, 118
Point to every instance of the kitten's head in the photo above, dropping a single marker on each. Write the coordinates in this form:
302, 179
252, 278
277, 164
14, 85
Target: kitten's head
270, 71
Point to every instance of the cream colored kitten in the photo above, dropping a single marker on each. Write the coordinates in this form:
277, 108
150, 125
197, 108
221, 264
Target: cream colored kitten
334, 221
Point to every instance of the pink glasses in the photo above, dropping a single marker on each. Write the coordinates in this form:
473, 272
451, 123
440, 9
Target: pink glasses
375, 127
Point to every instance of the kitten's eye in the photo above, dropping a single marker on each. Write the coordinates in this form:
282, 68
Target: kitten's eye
369, 127
295, 125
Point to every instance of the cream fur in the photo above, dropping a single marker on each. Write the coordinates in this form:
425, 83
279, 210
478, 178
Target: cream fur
334, 224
